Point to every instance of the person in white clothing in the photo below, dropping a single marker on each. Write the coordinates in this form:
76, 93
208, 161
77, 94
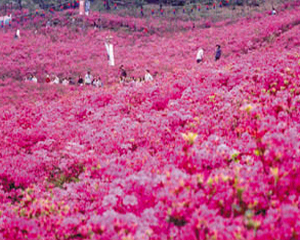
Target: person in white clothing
65, 82
199, 56
55, 80
98, 82
148, 76
88, 78
17, 35
34, 79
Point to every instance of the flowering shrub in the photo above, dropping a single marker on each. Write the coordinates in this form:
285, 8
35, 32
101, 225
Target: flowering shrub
206, 151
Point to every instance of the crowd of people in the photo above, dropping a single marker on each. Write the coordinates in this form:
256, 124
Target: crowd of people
125, 79
88, 79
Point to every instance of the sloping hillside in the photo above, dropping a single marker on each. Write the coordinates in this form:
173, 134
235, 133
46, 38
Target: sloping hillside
205, 151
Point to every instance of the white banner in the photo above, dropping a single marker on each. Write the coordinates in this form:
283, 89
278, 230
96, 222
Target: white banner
110, 54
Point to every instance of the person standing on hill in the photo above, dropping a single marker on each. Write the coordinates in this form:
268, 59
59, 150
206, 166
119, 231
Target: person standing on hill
199, 56
71, 81
34, 79
148, 76
122, 72
55, 79
65, 82
30, 77
17, 35
218, 52
80, 80
88, 78
47, 80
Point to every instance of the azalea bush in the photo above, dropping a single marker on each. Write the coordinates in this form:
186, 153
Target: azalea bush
205, 151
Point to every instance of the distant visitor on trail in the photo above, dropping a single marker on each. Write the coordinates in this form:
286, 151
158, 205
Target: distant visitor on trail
218, 52
88, 78
65, 82
273, 11
34, 79
110, 51
30, 77
122, 73
55, 79
199, 56
71, 81
148, 76
17, 35
80, 80
97, 82
47, 80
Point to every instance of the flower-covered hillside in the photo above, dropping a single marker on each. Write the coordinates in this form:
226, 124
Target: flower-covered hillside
72, 51
205, 151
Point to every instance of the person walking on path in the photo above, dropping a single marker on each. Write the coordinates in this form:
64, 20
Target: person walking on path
199, 56
17, 35
218, 52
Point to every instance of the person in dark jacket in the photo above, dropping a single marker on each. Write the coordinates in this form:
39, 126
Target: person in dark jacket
218, 52
122, 72
80, 80
71, 81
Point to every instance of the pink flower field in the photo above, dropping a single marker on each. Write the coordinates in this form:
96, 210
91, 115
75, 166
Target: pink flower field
205, 151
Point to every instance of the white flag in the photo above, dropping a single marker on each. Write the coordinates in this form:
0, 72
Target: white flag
110, 54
